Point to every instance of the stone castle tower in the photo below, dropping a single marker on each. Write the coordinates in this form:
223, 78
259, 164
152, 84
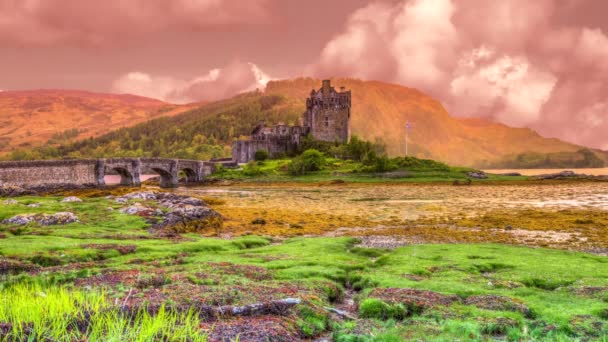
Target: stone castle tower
327, 115
327, 118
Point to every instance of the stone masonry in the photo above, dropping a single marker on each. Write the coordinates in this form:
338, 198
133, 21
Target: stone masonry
92, 171
327, 118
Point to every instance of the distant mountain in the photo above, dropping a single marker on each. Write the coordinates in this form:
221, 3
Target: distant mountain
33, 117
379, 111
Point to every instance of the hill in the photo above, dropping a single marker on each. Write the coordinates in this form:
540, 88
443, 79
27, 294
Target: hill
380, 111
33, 117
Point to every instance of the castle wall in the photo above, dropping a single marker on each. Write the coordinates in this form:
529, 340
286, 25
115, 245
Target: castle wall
330, 124
244, 150
45, 172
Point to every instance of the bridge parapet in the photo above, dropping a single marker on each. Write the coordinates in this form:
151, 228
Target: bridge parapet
93, 171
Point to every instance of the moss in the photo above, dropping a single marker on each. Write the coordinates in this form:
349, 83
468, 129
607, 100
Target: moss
546, 284
375, 308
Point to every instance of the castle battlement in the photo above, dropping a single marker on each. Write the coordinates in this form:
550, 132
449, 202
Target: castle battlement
327, 118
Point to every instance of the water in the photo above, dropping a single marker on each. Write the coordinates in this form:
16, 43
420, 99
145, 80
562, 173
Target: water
536, 172
115, 179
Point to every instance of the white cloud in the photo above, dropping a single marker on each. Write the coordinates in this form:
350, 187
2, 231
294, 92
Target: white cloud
218, 83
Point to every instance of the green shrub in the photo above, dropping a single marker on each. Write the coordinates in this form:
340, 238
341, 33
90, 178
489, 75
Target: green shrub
420, 164
252, 169
250, 242
312, 323
375, 308
310, 160
546, 284
261, 155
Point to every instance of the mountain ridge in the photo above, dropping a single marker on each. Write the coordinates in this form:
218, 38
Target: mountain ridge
380, 111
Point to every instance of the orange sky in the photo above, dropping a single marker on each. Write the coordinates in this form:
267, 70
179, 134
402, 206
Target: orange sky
541, 64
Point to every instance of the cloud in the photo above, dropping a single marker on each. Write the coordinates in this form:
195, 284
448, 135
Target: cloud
517, 62
217, 84
86, 23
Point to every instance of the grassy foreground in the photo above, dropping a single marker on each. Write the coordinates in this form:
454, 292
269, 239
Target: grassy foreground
108, 278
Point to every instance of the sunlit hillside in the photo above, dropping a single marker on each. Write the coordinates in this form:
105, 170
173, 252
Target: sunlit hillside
33, 117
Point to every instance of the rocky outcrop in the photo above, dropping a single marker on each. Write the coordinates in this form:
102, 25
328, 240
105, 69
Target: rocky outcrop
182, 214
477, 175
569, 175
59, 218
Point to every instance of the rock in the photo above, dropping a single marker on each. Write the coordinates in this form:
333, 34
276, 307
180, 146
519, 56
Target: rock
511, 174
19, 220
477, 175
183, 210
121, 200
563, 175
142, 195
71, 199
59, 218
498, 303
10, 190
10, 202
258, 220
34, 205
136, 209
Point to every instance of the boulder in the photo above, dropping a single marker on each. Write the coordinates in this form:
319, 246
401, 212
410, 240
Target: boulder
10, 202
477, 175
71, 199
188, 214
34, 205
136, 209
142, 195
59, 218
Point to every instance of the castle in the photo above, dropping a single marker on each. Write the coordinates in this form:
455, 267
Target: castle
327, 118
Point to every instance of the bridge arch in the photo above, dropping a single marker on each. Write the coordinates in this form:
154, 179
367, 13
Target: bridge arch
190, 175
167, 178
126, 177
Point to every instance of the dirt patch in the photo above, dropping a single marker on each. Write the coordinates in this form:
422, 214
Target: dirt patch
498, 303
413, 297
254, 329
122, 249
9, 267
248, 271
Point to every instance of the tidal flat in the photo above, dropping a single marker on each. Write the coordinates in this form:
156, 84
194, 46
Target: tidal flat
341, 262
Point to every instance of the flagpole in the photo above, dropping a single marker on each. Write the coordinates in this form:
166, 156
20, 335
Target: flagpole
406, 140
407, 126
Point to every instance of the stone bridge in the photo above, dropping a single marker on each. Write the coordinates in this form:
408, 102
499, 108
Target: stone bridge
93, 171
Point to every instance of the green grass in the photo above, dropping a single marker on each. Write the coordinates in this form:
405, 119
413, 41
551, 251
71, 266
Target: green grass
348, 170
49, 300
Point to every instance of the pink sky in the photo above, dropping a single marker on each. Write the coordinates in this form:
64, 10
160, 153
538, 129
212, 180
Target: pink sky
541, 64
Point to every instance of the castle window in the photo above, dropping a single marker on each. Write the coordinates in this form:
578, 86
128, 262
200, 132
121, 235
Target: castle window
327, 121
